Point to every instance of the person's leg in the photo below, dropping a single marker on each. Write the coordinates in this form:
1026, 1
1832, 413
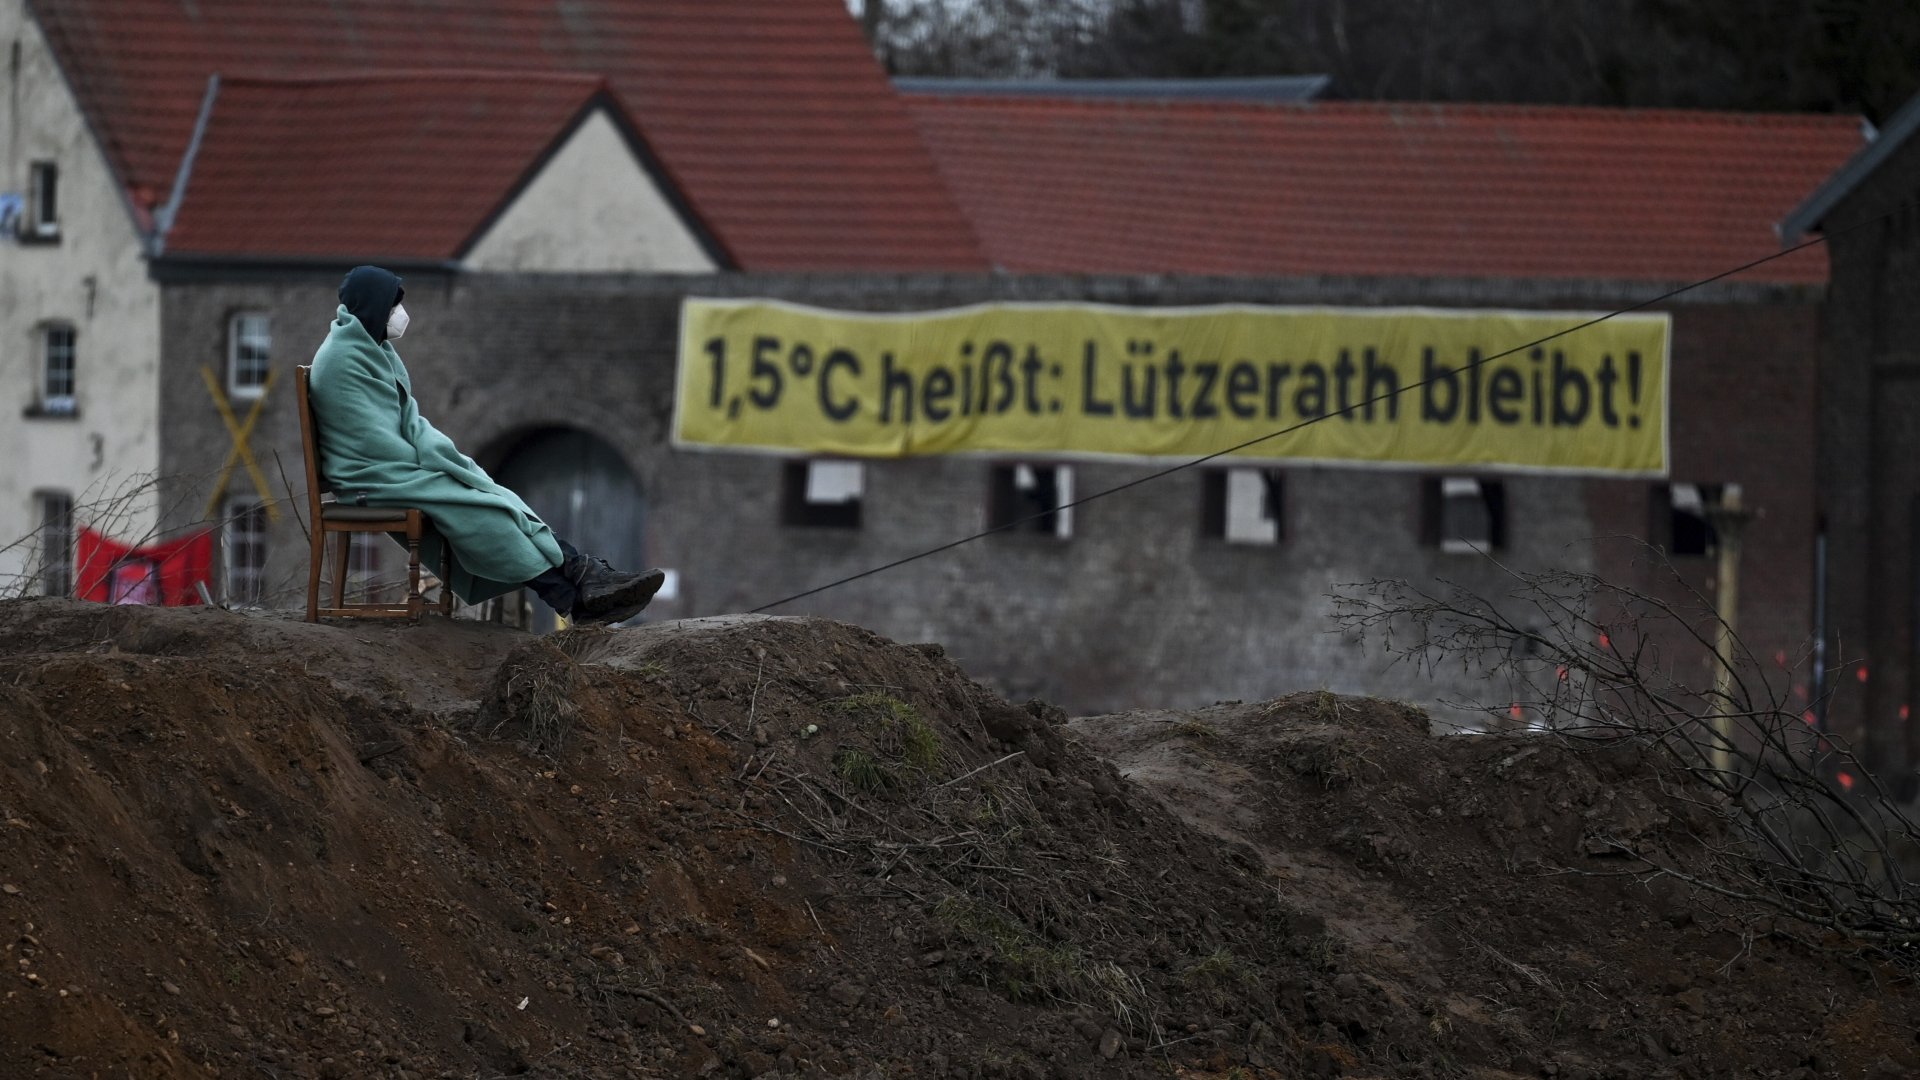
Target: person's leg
556, 590
588, 589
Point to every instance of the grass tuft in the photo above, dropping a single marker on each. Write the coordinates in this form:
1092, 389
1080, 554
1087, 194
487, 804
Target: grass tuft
1025, 968
862, 772
1217, 968
902, 738
874, 705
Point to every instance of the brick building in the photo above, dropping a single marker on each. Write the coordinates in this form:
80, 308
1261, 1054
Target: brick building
552, 360
1869, 462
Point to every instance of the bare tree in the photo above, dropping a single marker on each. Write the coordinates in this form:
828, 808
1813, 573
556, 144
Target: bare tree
984, 38
1821, 55
1807, 841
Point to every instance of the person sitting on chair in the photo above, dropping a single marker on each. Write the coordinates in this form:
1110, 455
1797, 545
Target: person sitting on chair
377, 450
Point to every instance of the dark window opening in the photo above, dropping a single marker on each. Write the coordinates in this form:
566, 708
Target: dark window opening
43, 201
1034, 496
823, 494
1243, 506
1682, 523
56, 543
1464, 515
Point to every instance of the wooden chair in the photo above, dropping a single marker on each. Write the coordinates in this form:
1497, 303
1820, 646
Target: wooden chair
333, 518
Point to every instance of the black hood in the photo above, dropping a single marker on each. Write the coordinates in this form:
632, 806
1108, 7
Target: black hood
369, 294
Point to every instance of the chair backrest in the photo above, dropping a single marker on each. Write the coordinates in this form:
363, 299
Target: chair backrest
309, 447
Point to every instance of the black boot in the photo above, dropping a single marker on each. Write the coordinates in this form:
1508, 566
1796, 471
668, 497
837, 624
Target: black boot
606, 595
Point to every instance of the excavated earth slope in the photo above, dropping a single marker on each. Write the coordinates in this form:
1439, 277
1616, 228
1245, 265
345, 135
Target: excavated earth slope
242, 846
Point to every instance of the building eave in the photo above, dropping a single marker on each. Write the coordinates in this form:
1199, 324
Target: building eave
176, 267
1812, 212
163, 220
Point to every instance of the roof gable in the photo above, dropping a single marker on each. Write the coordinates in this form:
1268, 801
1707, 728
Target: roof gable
398, 166
591, 205
1380, 190
771, 117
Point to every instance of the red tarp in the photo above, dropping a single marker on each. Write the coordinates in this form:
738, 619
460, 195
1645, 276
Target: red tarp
113, 573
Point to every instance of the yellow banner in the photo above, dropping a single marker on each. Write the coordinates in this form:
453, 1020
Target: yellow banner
1403, 386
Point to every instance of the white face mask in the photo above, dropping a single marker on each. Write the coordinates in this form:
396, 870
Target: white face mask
397, 322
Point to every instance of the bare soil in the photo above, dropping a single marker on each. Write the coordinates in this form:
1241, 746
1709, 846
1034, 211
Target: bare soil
242, 846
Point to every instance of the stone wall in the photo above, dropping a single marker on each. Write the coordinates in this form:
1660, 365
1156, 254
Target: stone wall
1137, 607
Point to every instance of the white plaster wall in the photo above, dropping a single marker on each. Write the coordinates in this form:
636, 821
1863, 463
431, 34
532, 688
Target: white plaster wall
591, 208
95, 277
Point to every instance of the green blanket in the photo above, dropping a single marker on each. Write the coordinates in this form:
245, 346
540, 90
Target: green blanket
377, 450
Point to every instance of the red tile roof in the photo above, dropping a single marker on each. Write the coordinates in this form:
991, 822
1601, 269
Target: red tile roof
770, 116
385, 167
1372, 189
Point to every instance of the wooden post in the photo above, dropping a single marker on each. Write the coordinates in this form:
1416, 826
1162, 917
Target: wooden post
1729, 519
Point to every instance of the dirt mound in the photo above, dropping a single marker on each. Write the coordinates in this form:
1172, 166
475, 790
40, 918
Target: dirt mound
1476, 881
245, 846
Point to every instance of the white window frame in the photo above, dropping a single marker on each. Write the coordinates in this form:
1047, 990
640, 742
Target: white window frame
1250, 515
835, 483
823, 493
1026, 478
259, 337
1063, 492
1459, 489
52, 402
43, 201
56, 528
243, 534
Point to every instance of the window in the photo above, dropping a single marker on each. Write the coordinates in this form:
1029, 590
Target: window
245, 539
1680, 520
249, 353
43, 203
56, 543
58, 364
823, 494
1241, 506
1035, 496
1465, 515
134, 581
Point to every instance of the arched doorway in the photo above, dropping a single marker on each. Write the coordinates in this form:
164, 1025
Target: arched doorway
580, 486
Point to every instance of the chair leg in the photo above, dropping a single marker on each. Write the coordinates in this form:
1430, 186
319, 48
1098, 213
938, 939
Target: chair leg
315, 557
342, 550
446, 579
416, 604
